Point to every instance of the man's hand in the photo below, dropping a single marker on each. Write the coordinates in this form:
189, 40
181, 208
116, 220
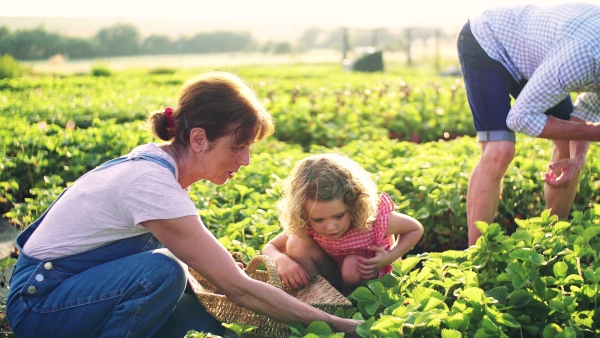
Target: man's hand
569, 168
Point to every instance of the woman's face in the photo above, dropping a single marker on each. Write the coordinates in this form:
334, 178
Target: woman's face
224, 159
330, 219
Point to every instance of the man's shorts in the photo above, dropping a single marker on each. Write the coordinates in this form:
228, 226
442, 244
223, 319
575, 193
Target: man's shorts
489, 88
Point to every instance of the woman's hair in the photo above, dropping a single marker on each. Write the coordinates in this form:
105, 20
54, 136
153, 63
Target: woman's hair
326, 177
220, 103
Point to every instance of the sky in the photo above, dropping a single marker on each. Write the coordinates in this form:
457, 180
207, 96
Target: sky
325, 13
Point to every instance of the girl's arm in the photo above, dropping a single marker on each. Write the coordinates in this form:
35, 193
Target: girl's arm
409, 231
291, 273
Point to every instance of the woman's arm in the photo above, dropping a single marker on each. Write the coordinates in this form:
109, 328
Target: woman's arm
189, 240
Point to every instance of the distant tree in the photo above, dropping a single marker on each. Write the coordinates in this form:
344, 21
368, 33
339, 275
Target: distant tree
4, 31
282, 48
31, 44
119, 40
219, 42
334, 39
310, 38
79, 48
159, 44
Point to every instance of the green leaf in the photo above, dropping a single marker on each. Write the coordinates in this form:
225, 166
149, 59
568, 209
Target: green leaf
560, 269
520, 274
563, 304
364, 329
473, 294
489, 326
372, 307
389, 281
6, 262
593, 276
551, 330
499, 293
446, 333
568, 332
319, 328
377, 288
240, 328
501, 318
458, 321
572, 279
430, 304
560, 226
406, 265
584, 318
422, 213
520, 298
482, 226
591, 232
364, 294
296, 328
527, 255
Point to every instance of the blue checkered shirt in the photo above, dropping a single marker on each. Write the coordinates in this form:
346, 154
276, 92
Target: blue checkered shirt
555, 48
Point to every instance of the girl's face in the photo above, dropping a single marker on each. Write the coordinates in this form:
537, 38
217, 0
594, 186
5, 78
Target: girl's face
330, 219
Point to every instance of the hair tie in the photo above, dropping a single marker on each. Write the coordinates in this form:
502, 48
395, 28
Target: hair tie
169, 118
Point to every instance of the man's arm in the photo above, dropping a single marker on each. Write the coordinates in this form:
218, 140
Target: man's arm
556, 129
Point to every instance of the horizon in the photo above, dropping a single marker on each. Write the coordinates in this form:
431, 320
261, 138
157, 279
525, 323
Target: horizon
264, 19
376, 13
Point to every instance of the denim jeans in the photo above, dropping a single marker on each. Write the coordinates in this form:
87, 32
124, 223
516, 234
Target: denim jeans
128, 288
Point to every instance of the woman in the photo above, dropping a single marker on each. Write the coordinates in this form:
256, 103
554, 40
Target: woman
94, 264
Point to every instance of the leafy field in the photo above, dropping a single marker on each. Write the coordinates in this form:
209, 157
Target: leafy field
531, 276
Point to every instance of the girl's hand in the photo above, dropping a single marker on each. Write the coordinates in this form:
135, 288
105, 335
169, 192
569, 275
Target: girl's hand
369, 267
292, 274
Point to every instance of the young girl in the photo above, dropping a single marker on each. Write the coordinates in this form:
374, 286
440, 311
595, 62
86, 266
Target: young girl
336, 225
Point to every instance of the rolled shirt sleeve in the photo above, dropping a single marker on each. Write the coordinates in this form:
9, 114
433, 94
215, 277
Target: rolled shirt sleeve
569, 69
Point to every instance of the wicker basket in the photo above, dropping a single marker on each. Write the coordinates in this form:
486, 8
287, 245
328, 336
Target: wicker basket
319, 294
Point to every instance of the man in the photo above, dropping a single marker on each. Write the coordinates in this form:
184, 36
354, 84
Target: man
538, 55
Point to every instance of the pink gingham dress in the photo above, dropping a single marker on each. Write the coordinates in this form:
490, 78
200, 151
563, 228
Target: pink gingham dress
355, 242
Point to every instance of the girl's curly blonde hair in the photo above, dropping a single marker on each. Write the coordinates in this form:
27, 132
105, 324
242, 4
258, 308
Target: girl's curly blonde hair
326, 177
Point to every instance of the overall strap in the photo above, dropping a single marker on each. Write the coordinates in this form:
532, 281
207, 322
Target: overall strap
24, 236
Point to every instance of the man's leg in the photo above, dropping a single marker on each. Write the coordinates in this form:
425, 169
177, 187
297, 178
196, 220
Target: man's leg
483, 194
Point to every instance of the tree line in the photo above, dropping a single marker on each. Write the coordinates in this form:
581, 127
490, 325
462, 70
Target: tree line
125, 40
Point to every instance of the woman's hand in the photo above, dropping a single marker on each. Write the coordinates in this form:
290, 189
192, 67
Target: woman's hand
348, 326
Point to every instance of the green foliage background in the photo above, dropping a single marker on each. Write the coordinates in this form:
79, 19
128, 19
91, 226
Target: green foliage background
410, 128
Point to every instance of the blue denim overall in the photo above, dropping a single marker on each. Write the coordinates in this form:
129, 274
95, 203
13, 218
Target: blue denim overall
127, 288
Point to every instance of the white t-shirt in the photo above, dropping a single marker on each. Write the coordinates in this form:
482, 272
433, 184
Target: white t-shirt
109, 205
